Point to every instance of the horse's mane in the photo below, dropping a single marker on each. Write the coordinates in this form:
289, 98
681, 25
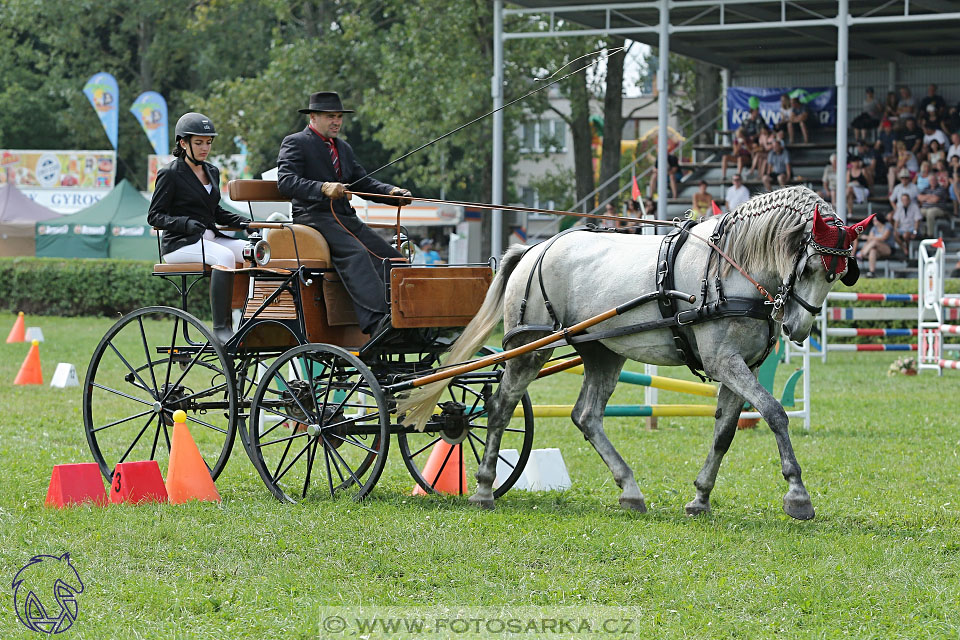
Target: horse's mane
768, 229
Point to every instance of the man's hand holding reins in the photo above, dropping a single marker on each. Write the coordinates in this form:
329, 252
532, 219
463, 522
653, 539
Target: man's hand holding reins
333, 190
405, 200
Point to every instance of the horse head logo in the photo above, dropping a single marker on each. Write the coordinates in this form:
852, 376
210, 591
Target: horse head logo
39, 577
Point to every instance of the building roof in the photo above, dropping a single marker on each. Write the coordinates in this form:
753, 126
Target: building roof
729, 34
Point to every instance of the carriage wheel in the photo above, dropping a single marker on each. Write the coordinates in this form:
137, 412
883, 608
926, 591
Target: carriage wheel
321, 425
152, 362
470, 433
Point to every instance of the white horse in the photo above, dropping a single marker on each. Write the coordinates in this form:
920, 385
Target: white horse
779, 238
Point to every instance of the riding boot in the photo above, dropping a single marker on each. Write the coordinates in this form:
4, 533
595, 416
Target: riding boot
221, 298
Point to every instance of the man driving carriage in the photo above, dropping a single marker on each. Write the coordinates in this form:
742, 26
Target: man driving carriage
314, 168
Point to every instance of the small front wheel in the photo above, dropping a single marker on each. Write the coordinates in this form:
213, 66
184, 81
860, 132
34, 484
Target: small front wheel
319, 425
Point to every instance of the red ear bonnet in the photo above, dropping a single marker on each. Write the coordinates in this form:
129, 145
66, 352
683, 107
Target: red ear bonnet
858, 228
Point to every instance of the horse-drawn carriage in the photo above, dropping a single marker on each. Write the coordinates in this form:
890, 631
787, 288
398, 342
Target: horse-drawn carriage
298, 379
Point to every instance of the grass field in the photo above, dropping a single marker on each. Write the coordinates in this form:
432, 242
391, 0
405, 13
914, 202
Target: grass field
881, 559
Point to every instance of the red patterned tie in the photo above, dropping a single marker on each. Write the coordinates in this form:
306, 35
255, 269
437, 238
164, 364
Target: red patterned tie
334, 157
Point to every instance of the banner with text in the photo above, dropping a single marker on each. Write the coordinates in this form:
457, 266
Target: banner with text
820, 101
58, 169
102, 92
150, 110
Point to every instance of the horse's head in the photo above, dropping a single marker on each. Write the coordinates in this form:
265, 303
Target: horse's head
807, 285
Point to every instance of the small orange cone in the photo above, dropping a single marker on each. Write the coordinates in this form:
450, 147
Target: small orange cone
18, 331
30, 372
444, 470
187, 475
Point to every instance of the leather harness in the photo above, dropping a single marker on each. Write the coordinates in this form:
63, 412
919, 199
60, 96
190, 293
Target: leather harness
721, 307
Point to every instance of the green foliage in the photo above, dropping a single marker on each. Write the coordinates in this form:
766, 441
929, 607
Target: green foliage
76, 287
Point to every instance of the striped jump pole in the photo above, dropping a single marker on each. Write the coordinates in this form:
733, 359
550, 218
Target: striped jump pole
625, 410
872, 314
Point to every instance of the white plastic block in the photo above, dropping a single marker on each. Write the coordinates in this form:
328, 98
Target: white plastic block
546, 471
504, 470
33, 333
65, 376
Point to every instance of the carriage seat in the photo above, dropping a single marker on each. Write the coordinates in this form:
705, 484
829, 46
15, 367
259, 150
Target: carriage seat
184, 268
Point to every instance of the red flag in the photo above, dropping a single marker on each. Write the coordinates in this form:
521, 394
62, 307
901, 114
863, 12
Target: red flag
635, 190
716, 209
938, 244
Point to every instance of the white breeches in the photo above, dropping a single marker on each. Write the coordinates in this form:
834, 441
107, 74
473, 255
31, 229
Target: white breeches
225, 252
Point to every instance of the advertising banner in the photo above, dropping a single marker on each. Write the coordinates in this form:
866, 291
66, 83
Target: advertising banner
150, 110
820, 101
59, 170
102, 92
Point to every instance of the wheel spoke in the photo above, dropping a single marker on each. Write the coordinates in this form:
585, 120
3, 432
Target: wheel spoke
292, 462
299, 434
204, 392
326, 457
337, 456
473, 448
156, 438
310, 457
136, 440
173, 345
419, 451
207, 425
149, 360
499, 455
143, 385
443, 465
116, 422
355, 443
121, 393
183, 374
286, 450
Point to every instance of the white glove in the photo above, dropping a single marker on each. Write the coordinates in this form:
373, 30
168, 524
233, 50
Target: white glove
332, 190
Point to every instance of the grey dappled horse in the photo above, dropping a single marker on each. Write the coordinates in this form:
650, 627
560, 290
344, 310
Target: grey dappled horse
771, 236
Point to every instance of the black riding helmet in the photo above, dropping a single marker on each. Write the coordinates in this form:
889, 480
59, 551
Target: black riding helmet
193, 124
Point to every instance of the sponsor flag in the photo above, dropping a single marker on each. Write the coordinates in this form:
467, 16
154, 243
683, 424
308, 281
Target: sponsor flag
150, 110
102, 92
635, 190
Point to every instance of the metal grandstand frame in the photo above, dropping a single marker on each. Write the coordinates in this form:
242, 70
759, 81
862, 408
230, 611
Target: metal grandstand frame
727, 33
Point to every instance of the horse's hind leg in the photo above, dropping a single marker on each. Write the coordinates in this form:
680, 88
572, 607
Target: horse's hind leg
519, 372
601, 368
738, 377
728, 411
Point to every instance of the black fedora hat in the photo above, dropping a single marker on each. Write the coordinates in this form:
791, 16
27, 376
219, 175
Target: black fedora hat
322, 101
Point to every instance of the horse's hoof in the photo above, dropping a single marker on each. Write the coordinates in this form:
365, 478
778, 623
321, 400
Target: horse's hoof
483, 503
633, 504
799, 508
695, 508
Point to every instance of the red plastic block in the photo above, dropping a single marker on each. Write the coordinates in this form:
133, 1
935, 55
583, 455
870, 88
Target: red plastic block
74, 484
137, 482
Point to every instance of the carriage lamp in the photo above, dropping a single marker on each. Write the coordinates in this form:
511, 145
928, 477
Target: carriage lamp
257, 250
406, 248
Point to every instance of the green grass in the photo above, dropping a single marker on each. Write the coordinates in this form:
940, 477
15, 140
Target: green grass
881, 559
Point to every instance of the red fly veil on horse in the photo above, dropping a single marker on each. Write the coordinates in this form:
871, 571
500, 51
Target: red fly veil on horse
835, 237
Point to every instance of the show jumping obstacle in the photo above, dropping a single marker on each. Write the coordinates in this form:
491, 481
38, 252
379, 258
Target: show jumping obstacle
934, 303
854, 314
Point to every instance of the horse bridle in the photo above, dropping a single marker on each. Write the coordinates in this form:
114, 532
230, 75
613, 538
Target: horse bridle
811, 248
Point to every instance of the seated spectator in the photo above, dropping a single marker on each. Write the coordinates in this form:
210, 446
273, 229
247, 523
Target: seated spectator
906, 107
778, 166
934, 202
633, 211
673, 171
878, 244
906, 186
905, 161
873, 165
700, 207
923, 177
953, 175
954, 150
886, 137
737, 194
858, 190
751, 124
935, 153
780, 128
741, 154
950, 123
931, 133
760, 149
933, 100
869, 118
890, 108
800, 116
911, 136
906, 222
829, 180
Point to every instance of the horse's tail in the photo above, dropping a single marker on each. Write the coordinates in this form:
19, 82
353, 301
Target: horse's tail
417, 408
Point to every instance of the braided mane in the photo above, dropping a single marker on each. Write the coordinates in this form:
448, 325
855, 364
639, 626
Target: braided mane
768, 229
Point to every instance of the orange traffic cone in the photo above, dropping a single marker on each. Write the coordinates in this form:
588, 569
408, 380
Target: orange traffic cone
30, 372
18, 331
444, 470
187, 475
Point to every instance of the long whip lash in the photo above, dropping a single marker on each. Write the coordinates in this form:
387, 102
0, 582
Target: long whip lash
611, 52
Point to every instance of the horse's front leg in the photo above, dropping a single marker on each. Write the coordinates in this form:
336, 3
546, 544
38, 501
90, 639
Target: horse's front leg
728, 411
735, 374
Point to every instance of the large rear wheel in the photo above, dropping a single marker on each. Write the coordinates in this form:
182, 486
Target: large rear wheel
152, 362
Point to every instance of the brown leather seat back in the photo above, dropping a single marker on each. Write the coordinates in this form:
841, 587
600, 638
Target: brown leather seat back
255, 191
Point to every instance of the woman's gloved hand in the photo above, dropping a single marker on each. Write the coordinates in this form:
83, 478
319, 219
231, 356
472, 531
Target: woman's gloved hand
195, 227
